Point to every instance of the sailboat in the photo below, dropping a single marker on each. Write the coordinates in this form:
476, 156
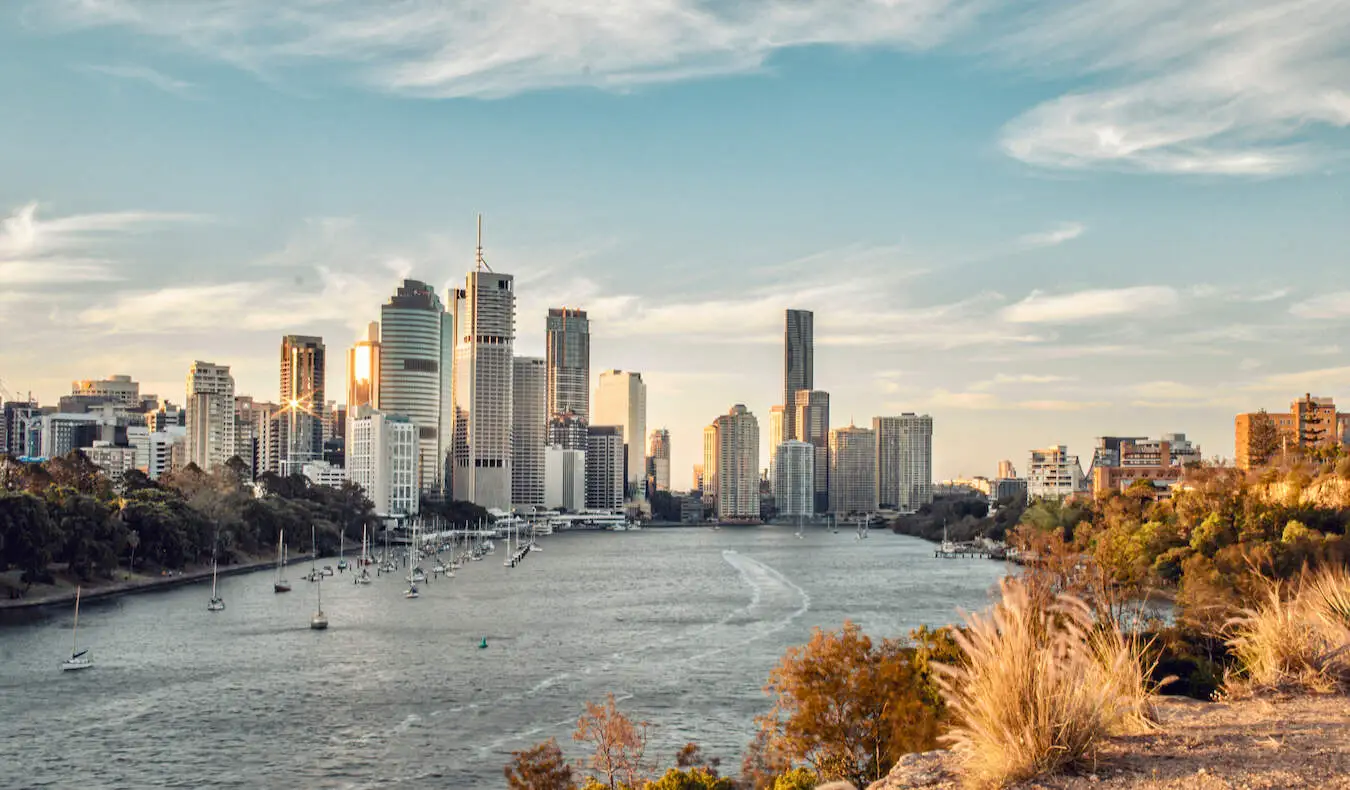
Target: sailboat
947, 546
79, 659
342, 545
363, 577
319, 621
217, 603
281, 585
364, 559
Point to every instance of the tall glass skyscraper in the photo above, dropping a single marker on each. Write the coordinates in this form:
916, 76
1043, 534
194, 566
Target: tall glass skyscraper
412, 363
568, 363
303, 373
798, 365
484, 334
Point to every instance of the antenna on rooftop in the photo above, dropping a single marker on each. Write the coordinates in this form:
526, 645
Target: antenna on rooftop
479, 263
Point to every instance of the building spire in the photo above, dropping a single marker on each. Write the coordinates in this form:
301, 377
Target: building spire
479, 263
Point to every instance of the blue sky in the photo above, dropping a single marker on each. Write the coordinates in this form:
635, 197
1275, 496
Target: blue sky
1039, 226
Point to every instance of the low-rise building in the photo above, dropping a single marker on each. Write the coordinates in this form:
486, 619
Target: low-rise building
383, 461
114, 461
1311, 422
1161, 462
322, 473
1053, 474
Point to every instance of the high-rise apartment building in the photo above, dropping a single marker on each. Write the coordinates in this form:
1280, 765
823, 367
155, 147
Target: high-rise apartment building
1311, 422
413, 365
621, 399
210, 415
737, 462
794, 487
904, 462
798, 365
529, 425
604, 467
485, 331
658, 460
1006, 470
383, 460
776, 438
1053, 474
812, 423
853, 470
568, 355
303, 373
708, 471
363, 370
118, 389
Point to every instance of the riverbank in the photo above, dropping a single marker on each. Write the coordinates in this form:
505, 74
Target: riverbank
63, 592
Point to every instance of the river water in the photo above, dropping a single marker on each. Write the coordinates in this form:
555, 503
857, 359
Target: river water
682, 625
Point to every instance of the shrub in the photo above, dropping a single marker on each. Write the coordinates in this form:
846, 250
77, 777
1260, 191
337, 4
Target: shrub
1296, 638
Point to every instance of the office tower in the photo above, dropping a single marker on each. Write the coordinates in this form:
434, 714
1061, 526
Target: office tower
1006, 470
696, 483
812, 422
621, 400
411, 367
1053, 474
382, 459
853, 470
564, 479
210, 415
604, 467
737, 464
118, 389
709, 469
568, 355
485, 329
302, 394
794, 485
529, 423
798, 364
776, 438
904, 461
363, 370
658, 460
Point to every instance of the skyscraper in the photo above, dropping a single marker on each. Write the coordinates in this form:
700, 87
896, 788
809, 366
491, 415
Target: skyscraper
528, 426
776, 438
737, 464
658, 460
853, 470
363, 370
709, 468
904, 463
568, 355
604, 467
798, 364
382, 459
485, 330
795, 485
813, 427
302, 393
621, 399
411, 364
210, 415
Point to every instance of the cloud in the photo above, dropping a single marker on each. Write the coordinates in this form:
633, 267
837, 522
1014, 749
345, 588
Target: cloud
1040, 308
985, 401
1318, 381
1224, 87
1327, 306
1065, 231
447, 49
145, 75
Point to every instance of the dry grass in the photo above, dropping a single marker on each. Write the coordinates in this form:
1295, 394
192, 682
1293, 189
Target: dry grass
1297, 638
1041, 688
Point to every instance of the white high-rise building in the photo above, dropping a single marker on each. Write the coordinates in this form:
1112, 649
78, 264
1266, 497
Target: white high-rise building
904, 461
621, 400
795, 479
210, 415
412, 369
853, 470
529, 420
1053, 474
484, 315
564, 478
604, 467
737, 464
382, 459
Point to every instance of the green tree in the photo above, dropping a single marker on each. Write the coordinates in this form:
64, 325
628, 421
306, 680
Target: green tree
28, 537
691, 779
1263, 439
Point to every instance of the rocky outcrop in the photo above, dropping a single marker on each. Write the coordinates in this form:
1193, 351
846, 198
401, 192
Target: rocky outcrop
925, 769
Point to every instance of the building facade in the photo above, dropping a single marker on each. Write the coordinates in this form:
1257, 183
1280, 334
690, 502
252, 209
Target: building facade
210, 415
795, 479
621, 400
564, 479
853, 472
363, 369
118, 389
707, 473
1311, 422
303, 373
485, 330
1053, 474
322, 473
568, 358
605, 468
737, 464
904, 461
798, 364
412, 364
529, 428
383, 460
776, 438
812, 424
1160, 462
658, 460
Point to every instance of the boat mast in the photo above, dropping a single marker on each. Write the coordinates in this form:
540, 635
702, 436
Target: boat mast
74, 630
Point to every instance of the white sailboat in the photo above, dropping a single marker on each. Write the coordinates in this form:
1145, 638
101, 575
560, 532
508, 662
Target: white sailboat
79, 659
281, 584
948, 547
217, 603
319, 621
342, 546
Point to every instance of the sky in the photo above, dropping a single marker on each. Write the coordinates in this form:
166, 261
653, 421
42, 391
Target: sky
1038, 222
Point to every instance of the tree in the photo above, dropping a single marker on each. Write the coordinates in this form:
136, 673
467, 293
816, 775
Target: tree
541, 767
27, 535
691, 756
849, 708
619, 745
665, 507
691, 779
1263, 439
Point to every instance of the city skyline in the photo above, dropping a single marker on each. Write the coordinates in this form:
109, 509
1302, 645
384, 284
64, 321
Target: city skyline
1031, 254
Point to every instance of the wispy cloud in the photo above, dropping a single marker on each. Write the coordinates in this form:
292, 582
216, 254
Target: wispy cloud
1327, 306
1226, 87
145, 75
1041, 308
1065, 231
985, 401
431, 48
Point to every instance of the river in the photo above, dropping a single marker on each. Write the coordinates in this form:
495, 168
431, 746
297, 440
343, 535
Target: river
682, 625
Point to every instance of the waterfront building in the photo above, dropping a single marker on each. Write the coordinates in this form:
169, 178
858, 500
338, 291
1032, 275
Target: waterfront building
1053, 474
383, 460
776, 438
737, 464
621, 400
210, 415
605, 468
794, 487
798, 366
529, 420
812, 425
412, 364
564, 478
303, 372
904, 461
1124, 461
568, 359
1311, 422
658, 461
853, 472
708, 472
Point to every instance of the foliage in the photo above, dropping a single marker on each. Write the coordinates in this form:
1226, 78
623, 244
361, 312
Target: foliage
665, 507
963, 517
797, 779
541, 767
455, 511
618, 745
1263, 439
1297, 637
848, 707
691, 779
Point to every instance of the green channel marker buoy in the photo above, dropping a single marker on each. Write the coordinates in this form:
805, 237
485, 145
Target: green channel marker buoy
482, 644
